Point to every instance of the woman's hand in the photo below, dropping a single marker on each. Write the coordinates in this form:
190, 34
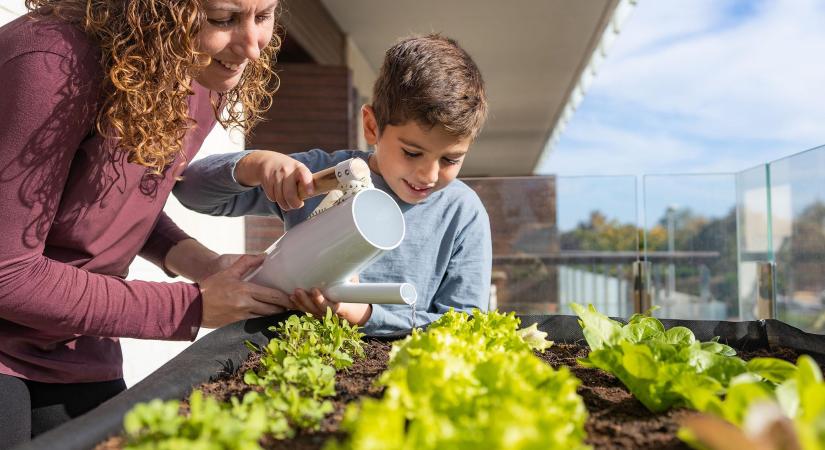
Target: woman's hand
227, 298
316, 304
278, 175
220, 263
191, 259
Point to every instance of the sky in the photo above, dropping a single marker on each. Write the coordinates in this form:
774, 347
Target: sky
695, 87
702, 86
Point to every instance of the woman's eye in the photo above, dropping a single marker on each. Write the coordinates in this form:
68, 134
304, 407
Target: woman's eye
451, 162
220, 22
263, 18
410, 154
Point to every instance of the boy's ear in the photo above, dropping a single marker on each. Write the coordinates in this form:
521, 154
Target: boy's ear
370, 125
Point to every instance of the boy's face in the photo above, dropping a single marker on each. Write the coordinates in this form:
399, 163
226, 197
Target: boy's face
414, 160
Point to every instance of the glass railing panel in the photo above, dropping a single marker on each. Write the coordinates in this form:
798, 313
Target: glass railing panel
558, 240
598, 242
754, 231
522, 214
690, 241
797, 198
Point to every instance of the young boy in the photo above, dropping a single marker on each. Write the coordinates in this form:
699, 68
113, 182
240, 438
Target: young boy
428, 106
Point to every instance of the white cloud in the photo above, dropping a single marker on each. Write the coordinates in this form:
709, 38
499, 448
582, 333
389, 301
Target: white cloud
597, 149
702, 86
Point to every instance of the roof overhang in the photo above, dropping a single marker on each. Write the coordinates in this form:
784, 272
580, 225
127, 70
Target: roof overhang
532, 54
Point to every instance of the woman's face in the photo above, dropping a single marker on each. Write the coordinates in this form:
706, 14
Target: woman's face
234, 34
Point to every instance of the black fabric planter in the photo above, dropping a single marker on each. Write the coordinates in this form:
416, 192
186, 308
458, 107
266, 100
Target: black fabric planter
223, 351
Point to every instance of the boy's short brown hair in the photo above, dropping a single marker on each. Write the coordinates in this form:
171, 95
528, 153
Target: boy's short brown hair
431, 80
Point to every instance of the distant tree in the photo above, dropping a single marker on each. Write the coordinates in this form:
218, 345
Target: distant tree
801, 256
601, 234
693, 232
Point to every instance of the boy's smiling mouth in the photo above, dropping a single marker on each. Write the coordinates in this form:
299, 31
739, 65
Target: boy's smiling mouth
421, 191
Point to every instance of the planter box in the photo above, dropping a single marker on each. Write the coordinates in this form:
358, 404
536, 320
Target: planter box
223, 351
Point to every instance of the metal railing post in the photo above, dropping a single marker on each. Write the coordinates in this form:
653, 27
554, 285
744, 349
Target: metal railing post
765, 290
641, 286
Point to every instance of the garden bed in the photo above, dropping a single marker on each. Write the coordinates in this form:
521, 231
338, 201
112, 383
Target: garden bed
616, 419
357, 381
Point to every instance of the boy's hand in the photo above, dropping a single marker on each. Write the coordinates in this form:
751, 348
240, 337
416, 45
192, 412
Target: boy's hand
278, 175
315, 303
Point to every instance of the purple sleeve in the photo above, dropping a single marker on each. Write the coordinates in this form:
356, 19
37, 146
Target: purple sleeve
47, 109
164, 236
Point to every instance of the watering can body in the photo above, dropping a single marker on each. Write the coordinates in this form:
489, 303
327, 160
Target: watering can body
328, 250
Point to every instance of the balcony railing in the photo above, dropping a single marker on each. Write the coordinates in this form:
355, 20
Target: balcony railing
734, 246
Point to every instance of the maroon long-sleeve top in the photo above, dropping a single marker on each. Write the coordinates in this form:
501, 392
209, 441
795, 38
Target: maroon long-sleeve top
74, 214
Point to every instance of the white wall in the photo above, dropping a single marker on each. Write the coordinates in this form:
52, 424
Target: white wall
363, 78
223, 235
11, 9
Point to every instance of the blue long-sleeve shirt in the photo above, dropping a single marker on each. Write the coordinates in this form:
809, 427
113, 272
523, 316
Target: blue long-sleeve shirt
446, 253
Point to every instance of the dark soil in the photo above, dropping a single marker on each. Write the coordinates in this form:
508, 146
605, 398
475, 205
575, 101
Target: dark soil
616, 419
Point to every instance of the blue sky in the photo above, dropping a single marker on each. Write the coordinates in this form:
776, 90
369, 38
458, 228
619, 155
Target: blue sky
702, 86
698, 86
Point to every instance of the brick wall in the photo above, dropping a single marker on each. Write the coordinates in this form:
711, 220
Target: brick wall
522, 214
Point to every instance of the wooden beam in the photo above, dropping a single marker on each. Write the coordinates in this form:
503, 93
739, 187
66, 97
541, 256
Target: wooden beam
309, 24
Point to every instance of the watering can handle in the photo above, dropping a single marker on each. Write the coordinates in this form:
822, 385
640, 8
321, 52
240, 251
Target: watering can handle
327, 179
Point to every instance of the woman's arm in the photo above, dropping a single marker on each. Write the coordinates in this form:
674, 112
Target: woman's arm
49, 111
192, 260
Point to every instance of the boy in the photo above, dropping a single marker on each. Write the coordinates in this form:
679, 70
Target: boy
428, 106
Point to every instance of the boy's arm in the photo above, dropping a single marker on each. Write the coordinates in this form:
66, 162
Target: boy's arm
466, 283
209, 186
280, 176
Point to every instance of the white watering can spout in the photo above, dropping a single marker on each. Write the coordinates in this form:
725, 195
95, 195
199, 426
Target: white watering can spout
329, 249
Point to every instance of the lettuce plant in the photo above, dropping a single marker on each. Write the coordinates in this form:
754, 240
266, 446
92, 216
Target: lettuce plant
662, 368
470, 383
798, 390
297, 374
333, 339
803, 398
298, 369
210, 425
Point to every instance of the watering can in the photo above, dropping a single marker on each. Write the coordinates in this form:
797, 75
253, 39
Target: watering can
329, 249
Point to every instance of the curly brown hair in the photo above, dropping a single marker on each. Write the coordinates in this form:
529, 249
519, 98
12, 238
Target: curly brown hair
149, 58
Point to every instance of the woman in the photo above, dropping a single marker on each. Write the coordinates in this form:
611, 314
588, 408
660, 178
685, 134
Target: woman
104, 103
